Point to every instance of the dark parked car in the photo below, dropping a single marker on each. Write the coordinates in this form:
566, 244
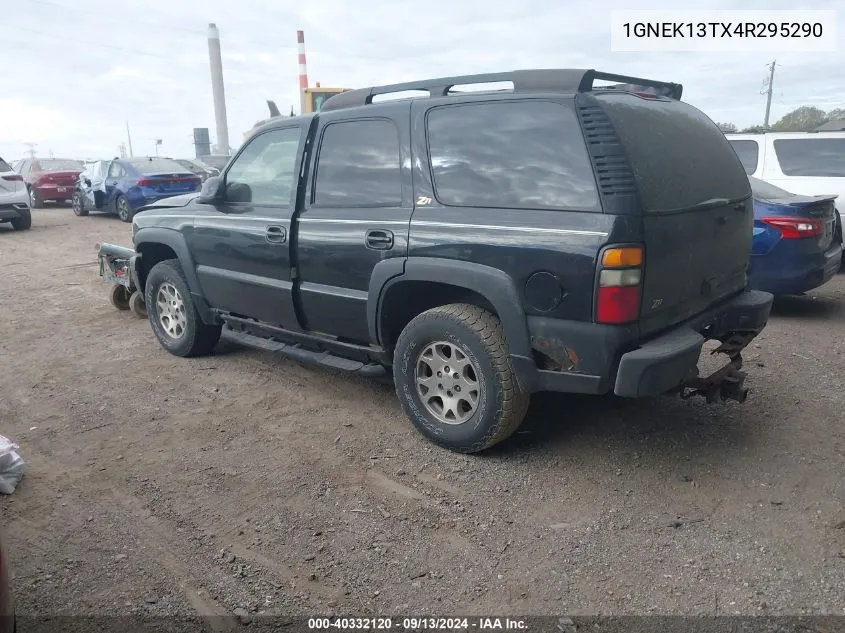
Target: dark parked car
797, 241
481, 246
49, 179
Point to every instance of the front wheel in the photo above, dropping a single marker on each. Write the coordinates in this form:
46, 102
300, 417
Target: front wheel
454, 378
173, 315
124, 208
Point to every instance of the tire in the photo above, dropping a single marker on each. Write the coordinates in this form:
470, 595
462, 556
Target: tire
477, 340
34, 201
173, 315
137, 305
23, 221
124, 208
119, 297
78, 204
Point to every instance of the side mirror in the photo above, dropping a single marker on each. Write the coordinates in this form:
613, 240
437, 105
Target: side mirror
212, 190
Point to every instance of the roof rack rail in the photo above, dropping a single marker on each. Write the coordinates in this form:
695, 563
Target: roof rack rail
546, 80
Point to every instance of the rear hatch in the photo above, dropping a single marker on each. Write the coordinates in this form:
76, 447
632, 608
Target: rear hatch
695, 199
10, 181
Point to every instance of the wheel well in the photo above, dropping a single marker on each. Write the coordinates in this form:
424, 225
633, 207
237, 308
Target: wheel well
408, 299
152, 254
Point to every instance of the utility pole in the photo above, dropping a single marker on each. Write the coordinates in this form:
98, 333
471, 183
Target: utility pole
129, 138
215, 61
32, 147
769, 92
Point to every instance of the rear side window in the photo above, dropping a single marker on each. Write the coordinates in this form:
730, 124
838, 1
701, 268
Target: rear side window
515, 154
679, 157
358, 165
819, 157
747, 152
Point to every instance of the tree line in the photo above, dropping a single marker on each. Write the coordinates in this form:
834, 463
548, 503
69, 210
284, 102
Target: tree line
803, 119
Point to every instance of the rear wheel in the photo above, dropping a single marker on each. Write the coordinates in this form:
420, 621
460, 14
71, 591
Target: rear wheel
455, 380
78, 204
124, 208
23, 221
34, 201
173, 315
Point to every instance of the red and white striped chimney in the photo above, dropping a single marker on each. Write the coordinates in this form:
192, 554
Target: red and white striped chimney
303, 69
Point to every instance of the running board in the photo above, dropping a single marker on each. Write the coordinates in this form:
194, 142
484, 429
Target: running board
299, 353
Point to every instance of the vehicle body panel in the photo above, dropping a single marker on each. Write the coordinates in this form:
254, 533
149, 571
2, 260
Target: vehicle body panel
13, 195
792, 265
333, 282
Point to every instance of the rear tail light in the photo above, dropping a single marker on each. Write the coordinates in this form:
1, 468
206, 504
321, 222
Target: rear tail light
796, 228
619, 285
12, 177
146, 182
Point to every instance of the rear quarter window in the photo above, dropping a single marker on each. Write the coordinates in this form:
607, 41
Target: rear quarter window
818, 157
748, 153
510, 154
4, 166
679, 157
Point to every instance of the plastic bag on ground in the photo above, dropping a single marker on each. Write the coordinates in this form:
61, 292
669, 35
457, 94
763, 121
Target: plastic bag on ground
12, 466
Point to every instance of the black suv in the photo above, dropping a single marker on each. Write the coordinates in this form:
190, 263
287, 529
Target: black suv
482, 246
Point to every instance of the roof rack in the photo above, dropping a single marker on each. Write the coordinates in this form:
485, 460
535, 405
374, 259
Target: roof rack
524, 81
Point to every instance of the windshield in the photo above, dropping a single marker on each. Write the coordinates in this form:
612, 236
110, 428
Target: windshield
59, 164
767, 191
679, 157
157, 166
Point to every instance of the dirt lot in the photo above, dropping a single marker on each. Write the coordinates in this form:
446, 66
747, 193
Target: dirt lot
159, 485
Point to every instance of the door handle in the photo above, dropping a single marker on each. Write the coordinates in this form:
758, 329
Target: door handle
276, 234
379, 239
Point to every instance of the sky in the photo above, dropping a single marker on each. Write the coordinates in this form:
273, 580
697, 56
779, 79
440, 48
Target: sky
74, 72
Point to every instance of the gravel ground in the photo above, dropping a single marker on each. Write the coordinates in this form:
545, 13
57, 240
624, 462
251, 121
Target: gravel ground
165, 486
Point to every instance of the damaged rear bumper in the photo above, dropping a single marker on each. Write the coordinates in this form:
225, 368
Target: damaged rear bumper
577, 357
670, 362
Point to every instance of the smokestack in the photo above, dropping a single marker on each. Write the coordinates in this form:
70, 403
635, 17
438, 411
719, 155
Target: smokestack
303, 69
216, 63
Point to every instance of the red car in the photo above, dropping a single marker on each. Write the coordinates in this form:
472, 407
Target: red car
49, 179
7, 604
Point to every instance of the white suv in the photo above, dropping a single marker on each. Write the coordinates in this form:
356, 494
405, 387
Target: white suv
807, 163
14, 198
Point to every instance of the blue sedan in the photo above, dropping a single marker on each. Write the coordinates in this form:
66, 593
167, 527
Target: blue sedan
797, 244
134, 182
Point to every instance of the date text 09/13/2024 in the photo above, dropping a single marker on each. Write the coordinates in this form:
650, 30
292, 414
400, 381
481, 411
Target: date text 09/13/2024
418, 623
